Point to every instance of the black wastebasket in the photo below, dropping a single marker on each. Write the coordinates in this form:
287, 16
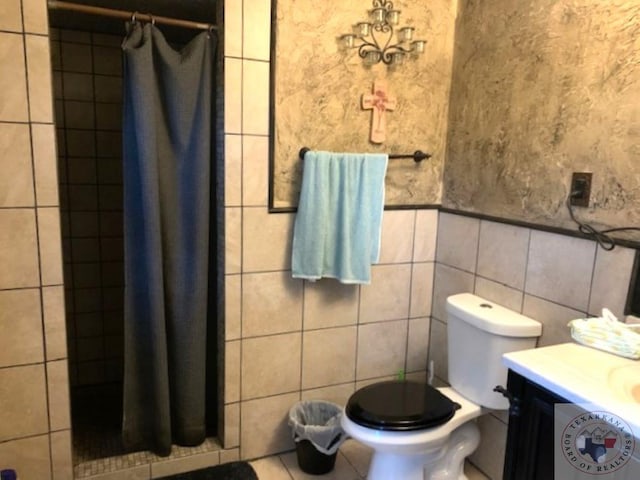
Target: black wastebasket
310, 460
315, 426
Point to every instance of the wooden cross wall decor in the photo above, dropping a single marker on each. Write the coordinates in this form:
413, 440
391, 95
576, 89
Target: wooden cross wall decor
378, 102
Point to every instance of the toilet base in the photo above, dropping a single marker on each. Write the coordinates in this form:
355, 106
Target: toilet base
446, 463
385, 466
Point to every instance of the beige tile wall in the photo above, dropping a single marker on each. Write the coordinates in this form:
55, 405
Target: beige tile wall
300, 340
35, 426
550, 277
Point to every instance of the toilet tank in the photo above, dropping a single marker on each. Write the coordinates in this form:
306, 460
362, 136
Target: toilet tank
479, 332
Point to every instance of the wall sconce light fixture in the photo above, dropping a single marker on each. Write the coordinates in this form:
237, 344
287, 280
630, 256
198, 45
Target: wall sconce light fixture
373, 38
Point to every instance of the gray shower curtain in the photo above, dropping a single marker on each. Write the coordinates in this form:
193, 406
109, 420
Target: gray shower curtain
167, 150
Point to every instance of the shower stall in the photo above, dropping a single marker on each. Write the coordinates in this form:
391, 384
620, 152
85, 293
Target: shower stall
87, 63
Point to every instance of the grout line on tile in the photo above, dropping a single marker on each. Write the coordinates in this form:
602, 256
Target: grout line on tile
302, 335
285, 466
593, 274
242, 247
38, 238
526, 271
556, 303
96, 161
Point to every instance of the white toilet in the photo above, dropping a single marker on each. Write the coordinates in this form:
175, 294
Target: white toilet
419, 432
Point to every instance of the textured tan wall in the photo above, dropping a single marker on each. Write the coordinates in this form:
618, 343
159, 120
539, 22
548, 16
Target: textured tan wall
318, 89
541, 89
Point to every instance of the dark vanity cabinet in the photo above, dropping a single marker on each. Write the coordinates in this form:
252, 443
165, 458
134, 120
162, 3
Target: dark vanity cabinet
530, 438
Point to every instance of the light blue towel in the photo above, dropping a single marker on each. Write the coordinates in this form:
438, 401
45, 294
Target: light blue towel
338, 225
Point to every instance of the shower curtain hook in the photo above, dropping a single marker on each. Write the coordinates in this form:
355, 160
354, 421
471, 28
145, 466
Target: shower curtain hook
153, 20
133, 18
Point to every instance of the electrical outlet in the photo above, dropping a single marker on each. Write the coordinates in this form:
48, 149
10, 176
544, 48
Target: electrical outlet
580, 188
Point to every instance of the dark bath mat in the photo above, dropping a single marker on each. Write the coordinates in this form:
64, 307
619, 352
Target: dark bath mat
227, 471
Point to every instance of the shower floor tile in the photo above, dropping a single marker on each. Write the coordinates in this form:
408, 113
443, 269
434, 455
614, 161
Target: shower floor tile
128, 461
97, 419
98, 451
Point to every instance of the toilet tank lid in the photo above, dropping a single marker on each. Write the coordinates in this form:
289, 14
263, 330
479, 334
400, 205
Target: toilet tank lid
491, 317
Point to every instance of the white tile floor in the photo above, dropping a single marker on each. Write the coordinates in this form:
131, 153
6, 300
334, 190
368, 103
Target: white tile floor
351, 464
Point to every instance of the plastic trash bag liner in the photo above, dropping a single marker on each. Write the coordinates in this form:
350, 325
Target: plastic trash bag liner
318, 422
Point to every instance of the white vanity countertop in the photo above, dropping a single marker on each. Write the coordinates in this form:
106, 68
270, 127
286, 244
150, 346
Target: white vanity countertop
584, 375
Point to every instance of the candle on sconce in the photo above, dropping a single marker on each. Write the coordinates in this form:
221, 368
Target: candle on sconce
406, 33
371, 58
363, 28
417, 46
393, 17
397, 58
348, 40
378, 15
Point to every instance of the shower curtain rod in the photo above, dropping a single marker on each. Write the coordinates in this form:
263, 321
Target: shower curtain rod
146, 17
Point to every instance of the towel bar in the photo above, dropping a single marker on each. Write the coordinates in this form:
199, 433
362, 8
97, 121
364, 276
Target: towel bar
417, 156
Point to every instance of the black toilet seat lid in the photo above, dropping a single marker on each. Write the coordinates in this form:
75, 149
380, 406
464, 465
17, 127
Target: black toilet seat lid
400, 405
